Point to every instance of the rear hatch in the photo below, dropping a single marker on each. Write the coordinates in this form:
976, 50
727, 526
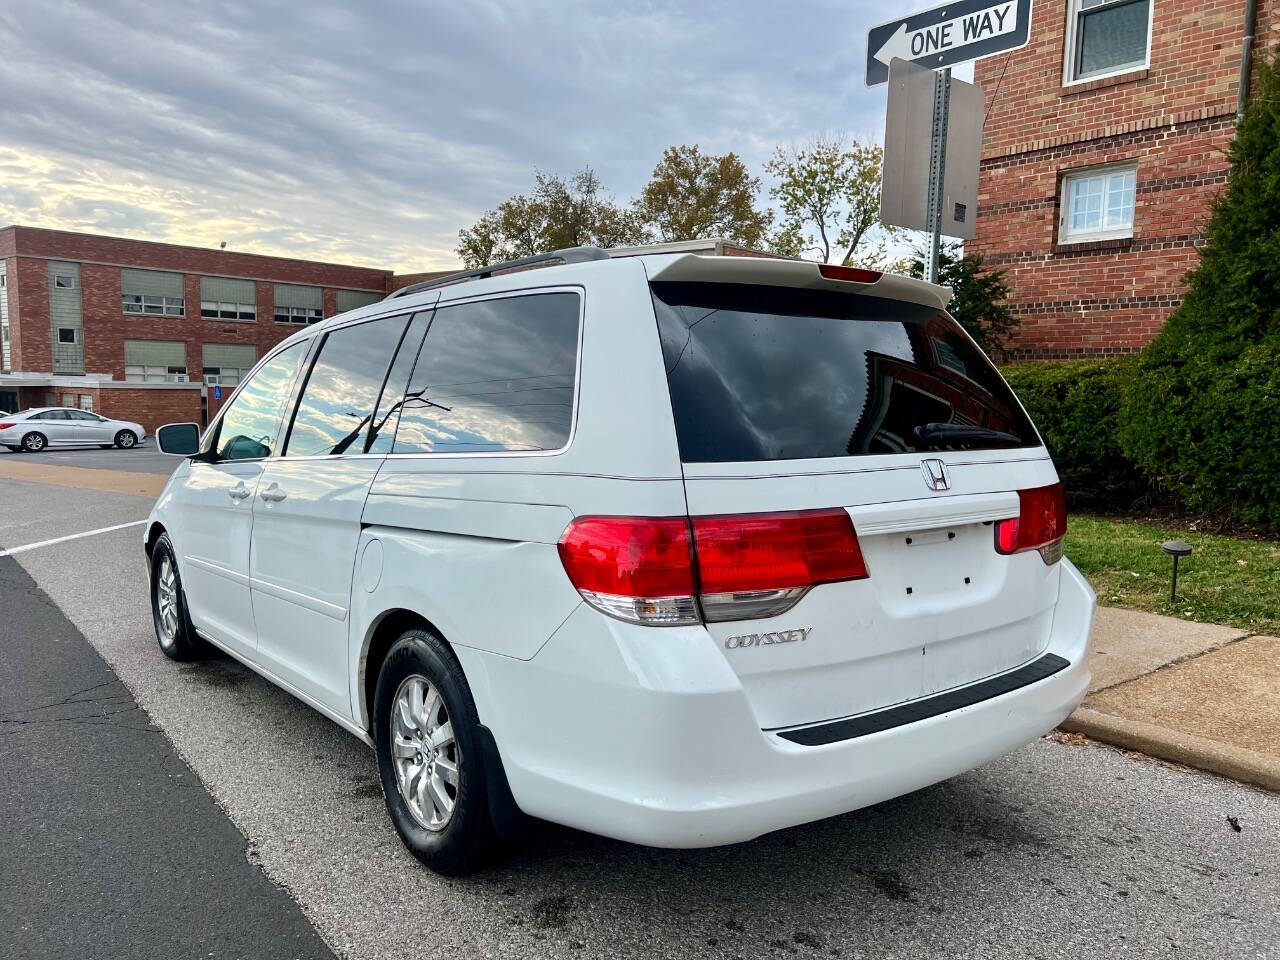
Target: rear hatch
798, 392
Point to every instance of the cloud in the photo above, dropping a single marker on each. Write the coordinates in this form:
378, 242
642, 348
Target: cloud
371, 133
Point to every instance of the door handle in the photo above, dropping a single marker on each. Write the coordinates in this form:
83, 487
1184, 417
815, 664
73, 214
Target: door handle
238, 492
273, 494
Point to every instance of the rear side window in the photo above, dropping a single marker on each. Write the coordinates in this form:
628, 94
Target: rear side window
342, 389
771, 373
494, 375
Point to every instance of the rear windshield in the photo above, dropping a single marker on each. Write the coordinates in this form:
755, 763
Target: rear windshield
773, 373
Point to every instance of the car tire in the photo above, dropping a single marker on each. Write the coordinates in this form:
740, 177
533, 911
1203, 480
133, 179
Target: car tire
34, 442
126, 439
174, 632
445, 824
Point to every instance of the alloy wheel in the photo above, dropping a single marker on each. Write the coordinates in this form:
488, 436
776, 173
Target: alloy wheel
167, 601
424, 752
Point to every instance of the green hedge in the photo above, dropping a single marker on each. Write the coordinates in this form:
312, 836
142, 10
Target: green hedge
1076, 405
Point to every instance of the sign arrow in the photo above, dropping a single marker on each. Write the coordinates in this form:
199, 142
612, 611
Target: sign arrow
947, 35
898, 45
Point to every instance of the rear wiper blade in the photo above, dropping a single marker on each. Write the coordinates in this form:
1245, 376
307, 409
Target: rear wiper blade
932, 434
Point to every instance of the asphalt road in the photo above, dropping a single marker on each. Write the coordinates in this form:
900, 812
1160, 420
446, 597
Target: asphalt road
144, 458
1057, 850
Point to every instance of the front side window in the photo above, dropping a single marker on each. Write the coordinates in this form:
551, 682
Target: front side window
772, 373
492, 376
1105, 37
341, 392
248, 428
1098, 204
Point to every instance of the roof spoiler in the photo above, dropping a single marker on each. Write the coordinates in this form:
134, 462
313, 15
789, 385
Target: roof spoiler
801, 274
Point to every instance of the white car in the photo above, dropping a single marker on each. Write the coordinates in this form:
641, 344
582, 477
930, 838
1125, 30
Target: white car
676, 549
41, 427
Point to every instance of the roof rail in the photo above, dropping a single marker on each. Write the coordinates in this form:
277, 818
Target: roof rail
567, 255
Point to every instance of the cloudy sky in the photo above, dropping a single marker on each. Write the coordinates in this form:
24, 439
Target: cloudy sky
371, 132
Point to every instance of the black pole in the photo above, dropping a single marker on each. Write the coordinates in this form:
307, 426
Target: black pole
1173, 590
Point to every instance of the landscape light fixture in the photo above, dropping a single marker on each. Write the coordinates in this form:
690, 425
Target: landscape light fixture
1176, 549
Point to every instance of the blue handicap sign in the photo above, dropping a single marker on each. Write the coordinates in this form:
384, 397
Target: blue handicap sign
217, 392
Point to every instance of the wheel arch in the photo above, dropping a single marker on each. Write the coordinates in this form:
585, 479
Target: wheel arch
383, 631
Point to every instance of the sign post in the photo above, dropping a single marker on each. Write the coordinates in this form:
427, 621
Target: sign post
940, 196
937, 168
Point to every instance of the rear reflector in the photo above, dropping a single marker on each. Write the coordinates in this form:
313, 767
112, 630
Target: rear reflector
850, 274
648, 570
1040, 524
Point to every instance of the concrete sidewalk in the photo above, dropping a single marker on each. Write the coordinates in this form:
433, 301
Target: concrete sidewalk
1193, 693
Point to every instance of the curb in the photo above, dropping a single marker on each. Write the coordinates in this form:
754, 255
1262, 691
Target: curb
1176, 746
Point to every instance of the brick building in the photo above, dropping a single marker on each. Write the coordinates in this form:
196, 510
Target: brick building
1103, 147
152, 332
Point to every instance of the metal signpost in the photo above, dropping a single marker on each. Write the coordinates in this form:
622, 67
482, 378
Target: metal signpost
914, 55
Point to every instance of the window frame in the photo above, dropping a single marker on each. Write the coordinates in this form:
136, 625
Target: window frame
1065, 236
440, 304
166, 307
71, 330
238, 309
304, 319
1071, 53
64, 281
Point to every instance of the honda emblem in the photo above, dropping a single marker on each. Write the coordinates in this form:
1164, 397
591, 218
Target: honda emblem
935, 475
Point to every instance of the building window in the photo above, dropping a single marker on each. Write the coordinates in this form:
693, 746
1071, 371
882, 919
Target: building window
220, 310
157, 306
153, 292
298, 314
1106, 37
224, 376
86, 402
66, 335
1097, 204
153, 373
68, 399
298, 303
63, 282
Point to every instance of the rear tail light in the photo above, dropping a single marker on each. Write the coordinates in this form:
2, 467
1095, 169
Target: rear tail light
760, 565
6, 425
662, 570
1040, 524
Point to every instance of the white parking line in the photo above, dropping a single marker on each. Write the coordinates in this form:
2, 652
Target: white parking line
75, 536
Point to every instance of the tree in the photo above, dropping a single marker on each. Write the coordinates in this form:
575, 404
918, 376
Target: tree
558, 213
694, 195
1204, 413
829, 194
979, 303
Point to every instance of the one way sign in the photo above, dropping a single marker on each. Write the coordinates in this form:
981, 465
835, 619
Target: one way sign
950, 34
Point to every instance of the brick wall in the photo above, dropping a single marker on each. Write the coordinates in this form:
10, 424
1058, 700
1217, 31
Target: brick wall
151, 407
1174, 119
30, 336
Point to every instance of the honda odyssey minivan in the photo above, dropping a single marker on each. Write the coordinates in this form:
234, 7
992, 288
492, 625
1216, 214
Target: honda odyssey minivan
677, 549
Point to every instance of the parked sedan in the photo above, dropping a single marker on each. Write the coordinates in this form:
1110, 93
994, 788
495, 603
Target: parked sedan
34, 430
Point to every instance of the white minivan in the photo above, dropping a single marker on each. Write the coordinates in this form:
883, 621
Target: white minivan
677, 549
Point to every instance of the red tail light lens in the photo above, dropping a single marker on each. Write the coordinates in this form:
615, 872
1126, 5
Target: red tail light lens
851, 274
1040, 524
629, 556
6, 425
645, 570
775, 550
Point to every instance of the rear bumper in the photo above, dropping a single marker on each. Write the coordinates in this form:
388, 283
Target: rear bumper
645, 735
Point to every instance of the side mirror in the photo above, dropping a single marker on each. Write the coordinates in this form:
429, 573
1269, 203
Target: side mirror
178, 439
